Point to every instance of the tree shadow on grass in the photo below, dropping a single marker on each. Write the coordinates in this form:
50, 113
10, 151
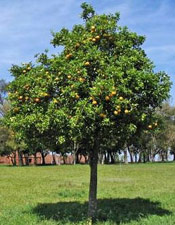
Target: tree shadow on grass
117, 211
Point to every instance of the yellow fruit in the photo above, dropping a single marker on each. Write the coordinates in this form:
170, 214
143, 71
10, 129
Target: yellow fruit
94, 102
56, 79
37, 100
94, 39
107, 98
116, 112
97, 37
113, 93
20, 97
105, 35
118, 107
46, 95
68, 56
69, 76
92, 29
81, 79
47, 72
126, 111
24, 71
77, 45
150, 126
102, 115
156, 124
120, 98
77, 96
16, 110
29, 68
26, 98
87, 63
26, 87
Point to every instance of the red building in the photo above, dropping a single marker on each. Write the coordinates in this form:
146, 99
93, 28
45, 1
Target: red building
37, 160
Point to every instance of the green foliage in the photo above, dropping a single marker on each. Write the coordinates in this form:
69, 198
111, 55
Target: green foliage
101, 81
5, 139
88, 11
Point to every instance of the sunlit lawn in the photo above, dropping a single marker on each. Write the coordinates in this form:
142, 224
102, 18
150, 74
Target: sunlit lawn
128, 194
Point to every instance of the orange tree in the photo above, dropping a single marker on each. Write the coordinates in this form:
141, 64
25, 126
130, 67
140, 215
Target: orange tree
101, 87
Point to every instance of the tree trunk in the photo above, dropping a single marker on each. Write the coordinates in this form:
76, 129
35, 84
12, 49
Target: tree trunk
26, 159
53, 159
148, 158
14, 159
163, 158
92, 209
125, 156
86, 159
100, 158
20, 158
140, 157
144, 158
130, 154
75, 152
43, 158
112, 158
166, 155
76, 157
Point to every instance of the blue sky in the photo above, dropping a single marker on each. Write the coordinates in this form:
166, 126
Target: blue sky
25, 28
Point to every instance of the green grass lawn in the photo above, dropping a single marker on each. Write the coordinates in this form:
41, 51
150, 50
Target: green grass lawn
128, 194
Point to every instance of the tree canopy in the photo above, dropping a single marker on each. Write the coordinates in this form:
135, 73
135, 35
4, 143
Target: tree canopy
101, 88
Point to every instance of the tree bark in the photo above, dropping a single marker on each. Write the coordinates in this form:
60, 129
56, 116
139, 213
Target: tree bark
53, 159
75, 153
140, 157
144, 158
14, 158
20, 158
35, 158
27, 159
92, 209
112, 158
163, 158
125, 156
43, 158
130, 154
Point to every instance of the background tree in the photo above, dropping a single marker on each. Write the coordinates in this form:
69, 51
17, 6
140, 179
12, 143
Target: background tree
100, 87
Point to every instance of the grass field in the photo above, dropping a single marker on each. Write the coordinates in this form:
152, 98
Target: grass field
128, 194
